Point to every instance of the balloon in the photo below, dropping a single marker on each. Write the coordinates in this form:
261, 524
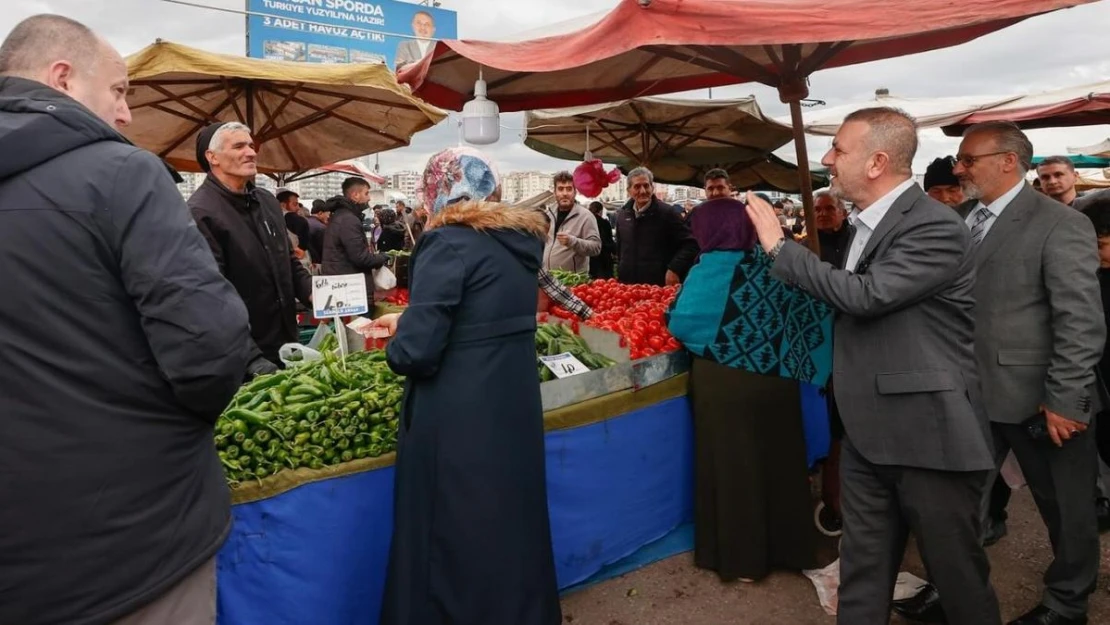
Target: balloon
590, 178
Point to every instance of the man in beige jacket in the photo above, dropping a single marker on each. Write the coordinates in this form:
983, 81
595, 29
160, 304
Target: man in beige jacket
573, 237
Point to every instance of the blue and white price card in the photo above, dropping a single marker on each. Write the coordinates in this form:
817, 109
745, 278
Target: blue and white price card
339, 296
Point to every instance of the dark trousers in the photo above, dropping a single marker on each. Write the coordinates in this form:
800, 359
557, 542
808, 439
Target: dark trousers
880, 505
999, 498
1061, 480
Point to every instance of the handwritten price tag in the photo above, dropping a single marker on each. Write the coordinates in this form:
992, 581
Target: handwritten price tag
564, 365
339, 296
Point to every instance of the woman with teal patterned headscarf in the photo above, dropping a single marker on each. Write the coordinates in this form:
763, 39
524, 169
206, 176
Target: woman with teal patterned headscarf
754, 340
471, 535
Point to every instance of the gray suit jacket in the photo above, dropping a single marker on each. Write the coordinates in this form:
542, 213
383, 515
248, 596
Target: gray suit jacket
903, 359
1039, 325
408, 52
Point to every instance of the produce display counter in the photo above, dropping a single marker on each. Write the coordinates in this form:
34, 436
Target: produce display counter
311, 546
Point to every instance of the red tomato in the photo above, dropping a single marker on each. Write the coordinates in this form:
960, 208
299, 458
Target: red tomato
656, 343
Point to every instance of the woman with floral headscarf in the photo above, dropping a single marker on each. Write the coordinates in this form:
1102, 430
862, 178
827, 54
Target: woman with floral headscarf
472, 540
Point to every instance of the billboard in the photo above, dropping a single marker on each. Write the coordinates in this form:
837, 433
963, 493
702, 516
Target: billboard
345, 31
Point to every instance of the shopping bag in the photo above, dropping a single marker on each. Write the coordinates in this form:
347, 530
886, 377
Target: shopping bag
294, 354
384, 279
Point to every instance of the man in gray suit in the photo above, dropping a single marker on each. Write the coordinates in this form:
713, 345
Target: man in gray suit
412, 51
916, 453
1039, 333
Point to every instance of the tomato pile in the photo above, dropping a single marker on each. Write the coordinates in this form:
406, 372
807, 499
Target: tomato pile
399, 296
635, 311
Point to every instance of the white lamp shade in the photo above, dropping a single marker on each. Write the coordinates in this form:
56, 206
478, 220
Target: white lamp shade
481, 130
481, 118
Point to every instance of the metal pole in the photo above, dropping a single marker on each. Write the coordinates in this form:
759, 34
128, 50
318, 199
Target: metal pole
803, 173
249, 92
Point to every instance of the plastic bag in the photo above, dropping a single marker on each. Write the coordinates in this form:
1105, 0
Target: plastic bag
384, 279
293, 354
827, 583
1011, 472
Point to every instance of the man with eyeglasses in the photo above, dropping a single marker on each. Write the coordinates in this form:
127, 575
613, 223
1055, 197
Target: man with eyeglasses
1039, 332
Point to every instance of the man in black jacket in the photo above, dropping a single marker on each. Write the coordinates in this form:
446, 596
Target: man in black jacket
654, 244
346, 250
317, 225
833, 230
121, 343
601, 266
294, 221
246, 232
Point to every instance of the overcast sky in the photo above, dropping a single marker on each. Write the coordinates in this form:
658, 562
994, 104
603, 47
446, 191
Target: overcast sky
1062, 49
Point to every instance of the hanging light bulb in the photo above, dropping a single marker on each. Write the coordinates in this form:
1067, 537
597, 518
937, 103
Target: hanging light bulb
481, 117
588, 155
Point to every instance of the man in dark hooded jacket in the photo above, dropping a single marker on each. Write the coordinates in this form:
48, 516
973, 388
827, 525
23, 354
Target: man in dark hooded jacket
346, 250
245, 230
121, 344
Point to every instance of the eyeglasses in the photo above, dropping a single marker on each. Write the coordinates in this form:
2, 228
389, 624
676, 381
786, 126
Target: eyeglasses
967, 160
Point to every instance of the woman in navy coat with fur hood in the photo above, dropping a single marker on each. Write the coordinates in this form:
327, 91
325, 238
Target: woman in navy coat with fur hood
471, 538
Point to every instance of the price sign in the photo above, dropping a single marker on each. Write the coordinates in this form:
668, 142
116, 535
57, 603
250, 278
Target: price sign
564, 365
339, 296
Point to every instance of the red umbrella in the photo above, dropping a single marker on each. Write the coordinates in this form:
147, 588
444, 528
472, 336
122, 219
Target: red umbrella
649, 47
1086, 105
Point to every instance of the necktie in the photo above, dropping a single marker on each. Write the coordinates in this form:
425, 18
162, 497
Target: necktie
979, 224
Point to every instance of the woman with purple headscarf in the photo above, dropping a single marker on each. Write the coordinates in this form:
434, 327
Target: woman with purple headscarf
753, 340
471, 538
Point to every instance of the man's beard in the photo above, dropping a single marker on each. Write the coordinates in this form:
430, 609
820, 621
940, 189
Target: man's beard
971, 190
837, 190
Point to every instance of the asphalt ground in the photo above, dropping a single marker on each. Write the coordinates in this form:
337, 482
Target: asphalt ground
674, 592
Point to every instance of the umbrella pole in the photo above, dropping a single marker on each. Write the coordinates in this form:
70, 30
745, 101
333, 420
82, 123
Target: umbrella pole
803, 172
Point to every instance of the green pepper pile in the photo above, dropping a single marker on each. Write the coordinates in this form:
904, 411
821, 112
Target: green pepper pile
322, 413
556, 338
329, 343
570, 278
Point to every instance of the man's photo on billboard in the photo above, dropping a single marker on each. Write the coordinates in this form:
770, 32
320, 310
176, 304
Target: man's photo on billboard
411, 51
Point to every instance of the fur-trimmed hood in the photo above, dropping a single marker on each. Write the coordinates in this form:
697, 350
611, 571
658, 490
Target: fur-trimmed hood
483, 216
521, 231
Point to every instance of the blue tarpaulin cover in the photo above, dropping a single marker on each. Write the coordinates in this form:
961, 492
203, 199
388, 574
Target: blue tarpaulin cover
316, 555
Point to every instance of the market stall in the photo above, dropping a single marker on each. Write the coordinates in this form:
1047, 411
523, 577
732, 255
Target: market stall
652, 47
311, 536
679, 139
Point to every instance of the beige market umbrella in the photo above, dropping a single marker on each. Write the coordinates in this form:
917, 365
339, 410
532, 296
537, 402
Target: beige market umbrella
1099, 150
302, 115
678, 139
